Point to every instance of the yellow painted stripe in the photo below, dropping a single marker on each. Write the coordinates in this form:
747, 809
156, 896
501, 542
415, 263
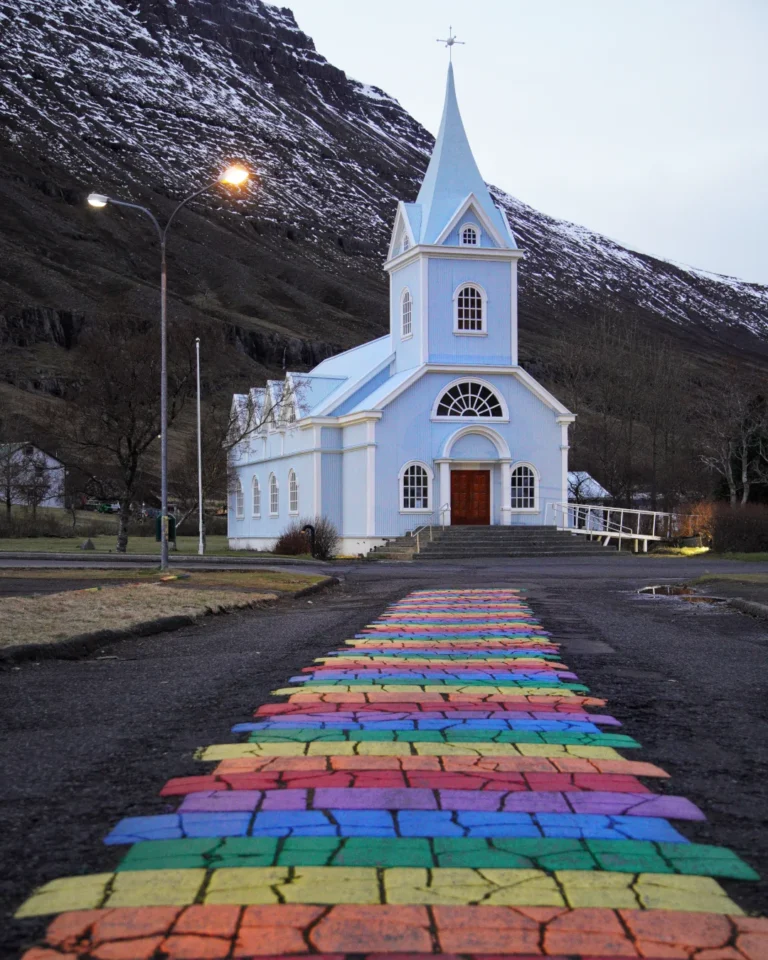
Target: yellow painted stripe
376, 748
369, 885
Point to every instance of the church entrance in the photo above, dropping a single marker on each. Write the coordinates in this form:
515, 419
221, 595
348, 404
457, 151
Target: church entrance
470, 497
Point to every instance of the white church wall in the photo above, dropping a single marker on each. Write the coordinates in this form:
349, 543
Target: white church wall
267, 527
474, 446
494, 346
408, 350
406, 433
355, 493
332, 488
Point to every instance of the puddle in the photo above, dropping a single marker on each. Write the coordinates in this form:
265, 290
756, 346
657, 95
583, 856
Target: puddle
668, 590
688, 594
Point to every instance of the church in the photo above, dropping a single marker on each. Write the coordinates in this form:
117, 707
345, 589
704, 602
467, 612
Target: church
434, 423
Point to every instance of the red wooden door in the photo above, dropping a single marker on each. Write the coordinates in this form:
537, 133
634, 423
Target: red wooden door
470, 497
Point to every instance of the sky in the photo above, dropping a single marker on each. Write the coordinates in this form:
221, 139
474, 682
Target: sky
645, 120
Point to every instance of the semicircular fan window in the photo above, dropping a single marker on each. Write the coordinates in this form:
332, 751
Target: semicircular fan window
469, 399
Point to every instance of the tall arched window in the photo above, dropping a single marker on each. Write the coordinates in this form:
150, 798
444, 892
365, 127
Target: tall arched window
470, 309
406, 242
255, 497
415, 484
524, 488
274, 496
293, 493
469, 235
468, 398
406, 314
239, 500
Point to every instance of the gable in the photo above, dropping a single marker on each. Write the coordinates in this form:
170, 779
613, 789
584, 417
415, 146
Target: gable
495, 230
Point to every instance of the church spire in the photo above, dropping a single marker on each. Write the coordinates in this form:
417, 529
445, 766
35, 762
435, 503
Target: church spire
452, 175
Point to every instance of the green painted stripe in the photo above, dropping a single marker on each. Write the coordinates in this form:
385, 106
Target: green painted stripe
619, 856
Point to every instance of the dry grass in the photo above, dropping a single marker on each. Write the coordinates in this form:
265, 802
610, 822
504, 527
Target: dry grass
264, 580
57, 616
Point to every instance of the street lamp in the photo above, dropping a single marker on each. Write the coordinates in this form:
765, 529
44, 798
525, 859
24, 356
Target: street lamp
233, 176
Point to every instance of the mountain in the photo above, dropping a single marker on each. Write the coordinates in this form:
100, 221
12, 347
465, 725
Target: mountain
144, 99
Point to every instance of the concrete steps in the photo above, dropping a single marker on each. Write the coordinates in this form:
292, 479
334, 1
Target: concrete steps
454, 543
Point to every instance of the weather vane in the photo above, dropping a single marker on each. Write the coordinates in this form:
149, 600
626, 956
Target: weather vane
450, 42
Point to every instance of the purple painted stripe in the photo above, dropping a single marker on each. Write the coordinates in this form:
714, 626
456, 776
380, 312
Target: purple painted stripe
408, 798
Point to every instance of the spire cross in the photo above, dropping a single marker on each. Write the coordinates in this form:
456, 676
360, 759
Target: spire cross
450, 43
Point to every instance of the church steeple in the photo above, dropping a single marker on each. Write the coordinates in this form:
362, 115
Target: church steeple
452, 176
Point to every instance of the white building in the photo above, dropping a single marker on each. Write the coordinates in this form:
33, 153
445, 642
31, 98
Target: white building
27, 472
435, 422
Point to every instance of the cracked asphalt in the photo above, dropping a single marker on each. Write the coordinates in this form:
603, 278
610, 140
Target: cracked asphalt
90, 741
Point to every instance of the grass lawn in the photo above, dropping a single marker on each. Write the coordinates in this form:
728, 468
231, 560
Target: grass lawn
761, 579
56, 616
705, 552
215, 546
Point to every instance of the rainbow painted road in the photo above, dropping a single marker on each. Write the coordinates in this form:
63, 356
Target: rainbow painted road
441, 785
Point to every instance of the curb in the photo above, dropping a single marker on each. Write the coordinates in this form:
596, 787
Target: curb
84, 643
749, 606
180, 559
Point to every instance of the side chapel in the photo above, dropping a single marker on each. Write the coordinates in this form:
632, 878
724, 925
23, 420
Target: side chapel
433, 423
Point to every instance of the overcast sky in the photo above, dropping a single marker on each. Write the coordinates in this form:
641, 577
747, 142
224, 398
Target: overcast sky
642, 119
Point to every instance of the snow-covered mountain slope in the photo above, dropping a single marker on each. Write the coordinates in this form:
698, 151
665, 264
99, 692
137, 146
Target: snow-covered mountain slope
145, 98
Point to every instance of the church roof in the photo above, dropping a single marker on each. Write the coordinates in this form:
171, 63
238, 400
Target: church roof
451, 177
347, 371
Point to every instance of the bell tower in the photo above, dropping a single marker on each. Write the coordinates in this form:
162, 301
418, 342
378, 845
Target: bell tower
452, 262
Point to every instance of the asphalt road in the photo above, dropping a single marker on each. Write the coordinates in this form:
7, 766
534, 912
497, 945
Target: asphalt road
90, 741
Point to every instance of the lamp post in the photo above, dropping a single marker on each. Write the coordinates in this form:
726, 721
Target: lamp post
233, 176
201, 538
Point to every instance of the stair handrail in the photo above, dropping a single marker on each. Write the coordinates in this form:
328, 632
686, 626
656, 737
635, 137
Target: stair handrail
418, 531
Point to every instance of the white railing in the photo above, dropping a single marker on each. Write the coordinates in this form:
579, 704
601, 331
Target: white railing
614, 523
426, 529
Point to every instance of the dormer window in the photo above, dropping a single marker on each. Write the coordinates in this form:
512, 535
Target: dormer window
469, 235
406, 242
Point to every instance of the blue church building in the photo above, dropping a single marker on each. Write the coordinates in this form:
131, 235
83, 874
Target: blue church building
433, 423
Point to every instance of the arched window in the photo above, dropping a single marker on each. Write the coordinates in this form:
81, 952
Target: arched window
469, 235
293, 493
255, 497
406, 314
415, 483
470, 309
239, 500
406, 242
524, 488
274, 496
468, 398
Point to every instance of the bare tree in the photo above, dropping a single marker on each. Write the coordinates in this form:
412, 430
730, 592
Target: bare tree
113, 420
734, 424
34, 482
11, 467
